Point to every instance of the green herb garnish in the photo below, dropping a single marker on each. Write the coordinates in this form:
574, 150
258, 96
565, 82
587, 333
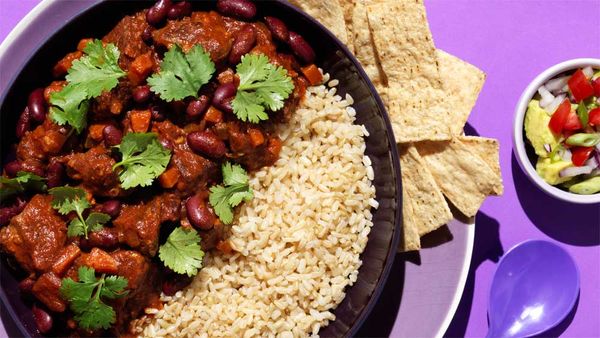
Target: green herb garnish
235, 189
181, 75
85, 297
582, 113
262, 85
143, 159
23, 181
182, 252
67, 199
95, 72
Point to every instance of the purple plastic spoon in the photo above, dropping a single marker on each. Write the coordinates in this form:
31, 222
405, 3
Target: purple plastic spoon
534, 289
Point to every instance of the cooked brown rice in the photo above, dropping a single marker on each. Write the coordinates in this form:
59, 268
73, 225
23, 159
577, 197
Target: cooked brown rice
298, 241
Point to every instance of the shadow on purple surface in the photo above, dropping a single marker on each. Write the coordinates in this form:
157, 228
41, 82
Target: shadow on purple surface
381, 320
487, 246
574, 224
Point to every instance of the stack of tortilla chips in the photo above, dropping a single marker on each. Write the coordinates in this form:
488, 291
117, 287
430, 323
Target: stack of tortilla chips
429, 95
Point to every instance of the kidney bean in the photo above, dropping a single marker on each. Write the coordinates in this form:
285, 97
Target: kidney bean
241, 9
43, 320
112, 208
198, 213
24, 123
157, 114
278, 28
180, 10
198, 107
301, 48
207, 143
142, 94
26, 285
112, 135
12, 168
105, 238
222, 94
158, 13
37, 105
147, 35
7, 213
55, 174
243, 43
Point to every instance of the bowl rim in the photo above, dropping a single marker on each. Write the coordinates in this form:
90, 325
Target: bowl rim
518, 125
44, 5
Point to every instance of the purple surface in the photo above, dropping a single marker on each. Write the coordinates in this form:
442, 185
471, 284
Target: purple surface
534, 288
512, 41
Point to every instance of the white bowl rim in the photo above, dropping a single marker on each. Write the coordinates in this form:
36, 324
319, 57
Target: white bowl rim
519, 143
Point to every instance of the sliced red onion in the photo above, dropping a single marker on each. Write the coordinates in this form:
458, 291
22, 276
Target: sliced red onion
595, 172
591, 162
598, 148
588, 72
547, 98
557, 85
554, 105
574, 171
566, 155
548, 148
597, 157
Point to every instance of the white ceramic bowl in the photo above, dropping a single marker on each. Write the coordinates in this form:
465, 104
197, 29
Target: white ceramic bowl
518, 137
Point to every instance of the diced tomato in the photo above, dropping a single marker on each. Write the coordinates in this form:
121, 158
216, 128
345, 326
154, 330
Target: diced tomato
572, 122
580, 86
557, 122
594, 117
596, 85
580, 155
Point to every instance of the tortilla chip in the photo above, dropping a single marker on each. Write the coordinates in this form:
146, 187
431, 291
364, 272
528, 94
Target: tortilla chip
429, 207
411, 239
488, 150
408, 58
329, 13
363, 43
462, 83
463, 177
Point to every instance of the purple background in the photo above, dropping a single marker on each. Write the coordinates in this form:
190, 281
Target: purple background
512, 41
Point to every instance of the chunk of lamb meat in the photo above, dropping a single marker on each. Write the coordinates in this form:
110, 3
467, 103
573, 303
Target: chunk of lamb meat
37, 145
204, 28
138, 225
127, 36
47, 290
143, 283
36, 236
94, 169
195, 170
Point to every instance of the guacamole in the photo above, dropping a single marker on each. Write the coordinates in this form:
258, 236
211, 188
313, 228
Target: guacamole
562, 124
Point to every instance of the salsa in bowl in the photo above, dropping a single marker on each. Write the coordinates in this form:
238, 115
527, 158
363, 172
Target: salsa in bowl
557, 130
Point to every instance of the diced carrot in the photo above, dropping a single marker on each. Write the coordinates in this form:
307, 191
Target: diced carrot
82, 43
256, 137
274, 146
213, 115
116, 106
68, 254
312, 73
140, 120
224, 246
169, 178
47, 290
65, 63
95, 131
54, 87
101, 261
140, 68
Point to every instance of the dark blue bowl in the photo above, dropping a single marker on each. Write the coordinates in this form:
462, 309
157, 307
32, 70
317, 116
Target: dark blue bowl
55, 27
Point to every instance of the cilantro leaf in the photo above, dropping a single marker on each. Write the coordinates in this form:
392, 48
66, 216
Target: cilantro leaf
23, 181
262, 86
143, 159
95, 72
85, 297
181, 75
235, 189
182, 251
68, 199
